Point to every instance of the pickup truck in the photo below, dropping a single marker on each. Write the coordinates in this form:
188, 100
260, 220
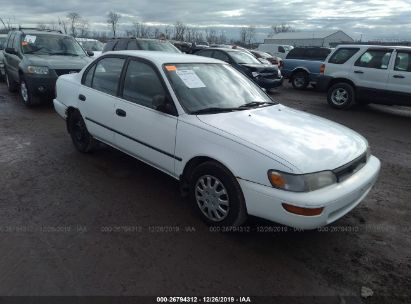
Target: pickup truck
302, 65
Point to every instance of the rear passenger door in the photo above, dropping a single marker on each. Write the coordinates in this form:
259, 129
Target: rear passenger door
142, 130
399, 83
98, 96
370, 72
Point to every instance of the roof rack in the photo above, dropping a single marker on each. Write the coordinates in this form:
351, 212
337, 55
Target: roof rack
38, 29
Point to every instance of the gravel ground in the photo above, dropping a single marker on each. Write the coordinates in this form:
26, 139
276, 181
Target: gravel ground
108, 225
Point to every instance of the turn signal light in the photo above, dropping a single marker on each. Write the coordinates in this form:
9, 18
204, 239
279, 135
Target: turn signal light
302, 211
277, 180
322, 69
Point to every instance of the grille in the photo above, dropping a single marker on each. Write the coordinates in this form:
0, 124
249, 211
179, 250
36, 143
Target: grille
66, 71
349, 169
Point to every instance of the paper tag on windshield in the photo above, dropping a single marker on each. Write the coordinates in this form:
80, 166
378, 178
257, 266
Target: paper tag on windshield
30, 39
190, 79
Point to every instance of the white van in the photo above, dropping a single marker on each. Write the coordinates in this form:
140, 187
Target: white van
277, 50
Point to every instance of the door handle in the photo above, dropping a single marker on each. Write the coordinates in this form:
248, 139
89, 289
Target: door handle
358, 72
82, 97
121, 113
398, 76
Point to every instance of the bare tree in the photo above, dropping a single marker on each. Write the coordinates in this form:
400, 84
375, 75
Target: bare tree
112, 20
168, 31
179, 31
141, 30
73, 20
83, 28
7, 22
250, 34
282, 28
63, 25
243, 35
211, 35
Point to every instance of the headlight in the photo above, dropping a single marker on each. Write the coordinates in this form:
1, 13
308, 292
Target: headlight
255, 74
38, 70
301, 183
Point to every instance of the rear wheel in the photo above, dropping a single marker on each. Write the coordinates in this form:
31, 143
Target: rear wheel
80, 136
300, 80
11, 84
217, 196
341, 96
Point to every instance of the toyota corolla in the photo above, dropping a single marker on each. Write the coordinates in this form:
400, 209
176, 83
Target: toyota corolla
235, 151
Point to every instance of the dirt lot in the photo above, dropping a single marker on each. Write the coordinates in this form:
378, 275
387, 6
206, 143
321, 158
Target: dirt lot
106, 224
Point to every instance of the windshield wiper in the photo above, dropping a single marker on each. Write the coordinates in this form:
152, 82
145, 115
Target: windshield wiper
214, 110
256, 104
64, 54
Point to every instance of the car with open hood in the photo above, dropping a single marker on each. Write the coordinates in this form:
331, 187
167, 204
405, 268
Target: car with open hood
234, 150
34, 59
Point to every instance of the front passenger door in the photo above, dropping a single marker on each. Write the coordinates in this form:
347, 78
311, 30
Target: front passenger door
142, 130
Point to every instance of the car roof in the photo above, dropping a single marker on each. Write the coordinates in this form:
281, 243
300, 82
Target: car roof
374, 46
39, 32
161, 58
224, 49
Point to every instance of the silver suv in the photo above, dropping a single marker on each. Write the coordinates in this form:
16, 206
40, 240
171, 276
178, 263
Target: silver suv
365, 74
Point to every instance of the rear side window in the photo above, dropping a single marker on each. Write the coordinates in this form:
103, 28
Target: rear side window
297, 53
110, 46
342, 55
317, 53
107, 75
403, 62
375, 59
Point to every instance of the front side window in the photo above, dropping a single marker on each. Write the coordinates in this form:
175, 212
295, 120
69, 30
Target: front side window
403, 62
198, 86
221, 56
342, 55
107, 75
88, 78
142, 84
2, 42
375, 59
51, 45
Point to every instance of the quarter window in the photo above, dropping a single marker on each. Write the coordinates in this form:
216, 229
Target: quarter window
403, 62
375, 59
342, 55
107, 75
142, 84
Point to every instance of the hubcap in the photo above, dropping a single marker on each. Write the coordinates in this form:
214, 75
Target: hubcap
212, 198
79, 132
24, 92
299, 82
339, 96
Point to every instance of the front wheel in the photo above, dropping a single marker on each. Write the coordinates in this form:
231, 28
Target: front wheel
217, 196
341, 96
26, 96
80, 136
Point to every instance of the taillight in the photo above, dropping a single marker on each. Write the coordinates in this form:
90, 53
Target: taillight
280, 64
322, 69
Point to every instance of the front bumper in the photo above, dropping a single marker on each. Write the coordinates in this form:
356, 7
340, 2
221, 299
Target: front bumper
337, 200
323, 83
41, 86
269, 83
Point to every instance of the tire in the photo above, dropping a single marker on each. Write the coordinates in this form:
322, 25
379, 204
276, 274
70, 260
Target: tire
211, 184
300, 80
341, 96
26, 96
11, 85
80, 136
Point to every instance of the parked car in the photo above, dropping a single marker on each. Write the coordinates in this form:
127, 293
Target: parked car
34, 59
367, 74
198, 46
3, 38
122, 44
91, 45
184, 47
234, 150
266, 76
276, 50
271, 59
302, 65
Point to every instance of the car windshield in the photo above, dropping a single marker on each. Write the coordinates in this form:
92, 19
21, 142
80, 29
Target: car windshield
2, 42
95, 46
212, 86
241, 58
157, 45
51, 45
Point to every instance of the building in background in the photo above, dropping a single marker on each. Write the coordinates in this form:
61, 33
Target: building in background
317, 38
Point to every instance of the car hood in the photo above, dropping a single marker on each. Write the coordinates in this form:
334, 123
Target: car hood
308, 142
262, 68
59, 62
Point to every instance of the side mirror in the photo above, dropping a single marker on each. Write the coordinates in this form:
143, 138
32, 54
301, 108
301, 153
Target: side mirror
162, 103
90, 53
11, 51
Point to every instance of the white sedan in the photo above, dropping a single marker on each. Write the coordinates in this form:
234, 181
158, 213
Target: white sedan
234, 150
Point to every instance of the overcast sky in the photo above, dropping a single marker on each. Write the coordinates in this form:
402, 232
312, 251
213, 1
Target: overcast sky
371, 18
